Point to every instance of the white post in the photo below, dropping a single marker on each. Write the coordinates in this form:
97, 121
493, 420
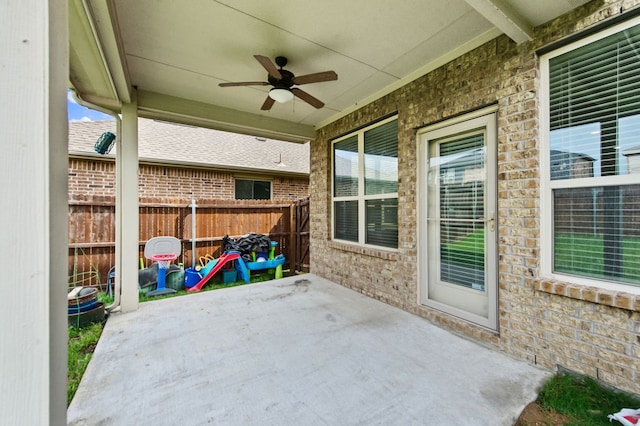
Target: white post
127, 214
193, 232
34, 71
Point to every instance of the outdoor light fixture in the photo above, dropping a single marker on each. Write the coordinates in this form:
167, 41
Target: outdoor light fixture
280, 95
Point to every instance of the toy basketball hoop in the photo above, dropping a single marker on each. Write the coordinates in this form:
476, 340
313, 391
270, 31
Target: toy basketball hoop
164, 259
162, 250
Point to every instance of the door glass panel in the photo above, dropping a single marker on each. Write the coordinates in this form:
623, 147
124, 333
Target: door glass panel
460, 171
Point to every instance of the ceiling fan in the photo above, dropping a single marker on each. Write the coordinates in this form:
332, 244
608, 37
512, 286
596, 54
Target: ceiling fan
283, 82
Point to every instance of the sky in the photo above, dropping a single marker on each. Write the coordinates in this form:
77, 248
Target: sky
79, 113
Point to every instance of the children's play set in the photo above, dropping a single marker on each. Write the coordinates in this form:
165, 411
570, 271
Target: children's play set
252, 252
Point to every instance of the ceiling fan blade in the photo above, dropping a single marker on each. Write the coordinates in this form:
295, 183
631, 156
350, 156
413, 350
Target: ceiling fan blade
268, 103
307, 98
244, 83
269, 66
315, 77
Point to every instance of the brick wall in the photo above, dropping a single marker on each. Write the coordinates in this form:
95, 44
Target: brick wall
92, 177
97, 178
548, 323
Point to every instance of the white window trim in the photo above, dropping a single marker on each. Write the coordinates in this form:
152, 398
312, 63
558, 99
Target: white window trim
361, 196
547, 186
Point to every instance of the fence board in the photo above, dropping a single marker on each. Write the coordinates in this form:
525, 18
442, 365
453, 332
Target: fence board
92, 231
301, 261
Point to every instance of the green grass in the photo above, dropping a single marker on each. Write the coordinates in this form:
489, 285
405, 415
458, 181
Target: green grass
468, 251
583, 400
216, 285
472, 243
183, 292
81, 344
582, 255
574, 254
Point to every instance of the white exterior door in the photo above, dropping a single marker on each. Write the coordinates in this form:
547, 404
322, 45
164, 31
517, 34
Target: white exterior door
457, 219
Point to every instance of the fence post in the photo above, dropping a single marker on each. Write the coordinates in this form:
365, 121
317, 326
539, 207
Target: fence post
292, 235
193, 206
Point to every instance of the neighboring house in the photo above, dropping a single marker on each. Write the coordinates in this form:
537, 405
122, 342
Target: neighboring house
180, 163
633, 159
570, 165
487, 227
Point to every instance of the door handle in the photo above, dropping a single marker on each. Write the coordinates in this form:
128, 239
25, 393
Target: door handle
492, 222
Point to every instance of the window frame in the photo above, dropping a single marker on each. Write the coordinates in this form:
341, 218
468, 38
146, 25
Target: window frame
361, 198
547, 186
253, 180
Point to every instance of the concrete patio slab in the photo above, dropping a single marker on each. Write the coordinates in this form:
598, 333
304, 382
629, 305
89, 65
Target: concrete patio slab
300, 350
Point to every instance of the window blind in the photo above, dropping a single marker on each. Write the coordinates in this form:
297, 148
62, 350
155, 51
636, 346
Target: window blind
365, 182
595, 107
345, 166
594, 94
597, 232
382, 222
461, 190
381, 159
346, 220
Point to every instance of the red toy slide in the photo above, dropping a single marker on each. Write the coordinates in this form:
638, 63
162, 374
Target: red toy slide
222, 260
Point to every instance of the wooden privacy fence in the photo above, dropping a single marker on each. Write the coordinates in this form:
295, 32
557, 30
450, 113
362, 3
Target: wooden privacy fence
301, 256
92, 231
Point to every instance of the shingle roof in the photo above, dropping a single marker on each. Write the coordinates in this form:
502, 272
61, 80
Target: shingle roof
168, 143
632, 151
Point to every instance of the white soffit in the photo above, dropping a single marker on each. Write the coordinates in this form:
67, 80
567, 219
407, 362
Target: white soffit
177, 52
504, 17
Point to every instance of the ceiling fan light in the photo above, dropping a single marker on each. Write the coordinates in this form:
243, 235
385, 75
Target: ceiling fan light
280, 95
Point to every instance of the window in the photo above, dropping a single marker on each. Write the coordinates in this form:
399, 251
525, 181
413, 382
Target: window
365, 186
591, 199
253, 189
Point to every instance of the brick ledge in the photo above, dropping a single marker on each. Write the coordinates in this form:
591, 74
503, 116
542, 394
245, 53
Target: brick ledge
616, 299
367, 251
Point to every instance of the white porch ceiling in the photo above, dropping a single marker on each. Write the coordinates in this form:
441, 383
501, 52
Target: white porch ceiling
177, 52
